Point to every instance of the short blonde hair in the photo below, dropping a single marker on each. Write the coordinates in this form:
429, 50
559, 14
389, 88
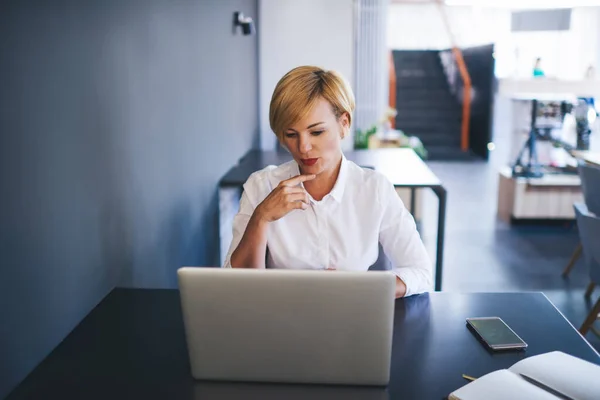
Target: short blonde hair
298, 90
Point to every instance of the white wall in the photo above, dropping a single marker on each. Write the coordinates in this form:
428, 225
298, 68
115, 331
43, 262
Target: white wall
420, 26
565, 54
301, 32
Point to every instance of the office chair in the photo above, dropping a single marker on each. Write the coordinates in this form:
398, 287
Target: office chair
383, 263
590, 186
589, 232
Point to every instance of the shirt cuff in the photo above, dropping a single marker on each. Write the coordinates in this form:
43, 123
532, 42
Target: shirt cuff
410, 280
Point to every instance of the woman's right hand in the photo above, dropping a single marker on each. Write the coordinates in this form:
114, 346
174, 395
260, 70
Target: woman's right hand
287, 196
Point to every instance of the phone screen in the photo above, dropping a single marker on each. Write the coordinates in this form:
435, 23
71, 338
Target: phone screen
495, 332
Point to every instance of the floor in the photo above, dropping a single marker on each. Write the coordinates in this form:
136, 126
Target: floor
484, 254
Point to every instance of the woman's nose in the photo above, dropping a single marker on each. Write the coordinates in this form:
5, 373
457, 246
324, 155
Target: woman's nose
304, 144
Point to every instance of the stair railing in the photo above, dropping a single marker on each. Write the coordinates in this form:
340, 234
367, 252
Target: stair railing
453, 61
392, 87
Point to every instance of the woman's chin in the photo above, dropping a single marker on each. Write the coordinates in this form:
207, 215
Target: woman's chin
310, 169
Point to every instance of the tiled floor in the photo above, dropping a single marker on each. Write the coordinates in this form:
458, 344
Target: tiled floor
484, 254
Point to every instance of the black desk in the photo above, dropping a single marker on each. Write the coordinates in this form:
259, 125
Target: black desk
401, 166
132, 346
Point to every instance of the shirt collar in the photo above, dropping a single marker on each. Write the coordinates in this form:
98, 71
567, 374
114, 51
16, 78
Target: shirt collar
337, 192
340, 184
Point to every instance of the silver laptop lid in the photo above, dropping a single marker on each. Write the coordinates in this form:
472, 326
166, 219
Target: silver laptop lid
288, 325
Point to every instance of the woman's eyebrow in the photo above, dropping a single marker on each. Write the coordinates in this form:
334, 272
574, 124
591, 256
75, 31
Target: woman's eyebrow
315, 124
308, 127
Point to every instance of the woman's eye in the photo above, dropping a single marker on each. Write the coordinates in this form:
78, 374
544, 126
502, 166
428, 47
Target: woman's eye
317, 133
290, 135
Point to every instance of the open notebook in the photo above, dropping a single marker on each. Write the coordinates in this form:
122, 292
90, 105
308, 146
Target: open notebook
548, 376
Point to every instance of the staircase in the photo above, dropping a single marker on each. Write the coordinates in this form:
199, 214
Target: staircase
426, 108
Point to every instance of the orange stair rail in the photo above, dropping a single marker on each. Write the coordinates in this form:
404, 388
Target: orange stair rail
392, 87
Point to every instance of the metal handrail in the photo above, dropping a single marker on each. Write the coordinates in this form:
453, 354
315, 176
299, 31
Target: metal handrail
466, 78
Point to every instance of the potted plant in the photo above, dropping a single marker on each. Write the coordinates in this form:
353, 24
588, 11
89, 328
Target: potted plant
383, 129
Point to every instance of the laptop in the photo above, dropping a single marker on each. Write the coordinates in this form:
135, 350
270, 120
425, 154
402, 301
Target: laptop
288, 326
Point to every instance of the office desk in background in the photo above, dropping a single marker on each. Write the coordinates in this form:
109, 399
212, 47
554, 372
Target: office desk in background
132, 346
591, 157
401, 166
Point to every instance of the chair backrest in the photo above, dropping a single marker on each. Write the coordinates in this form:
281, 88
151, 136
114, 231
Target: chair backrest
589, 234
590, 185
383, 263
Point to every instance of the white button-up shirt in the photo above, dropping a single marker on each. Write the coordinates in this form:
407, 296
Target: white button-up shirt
343, 230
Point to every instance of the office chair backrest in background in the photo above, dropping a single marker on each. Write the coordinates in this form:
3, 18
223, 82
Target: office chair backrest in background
590, 185
589, 233
588, 225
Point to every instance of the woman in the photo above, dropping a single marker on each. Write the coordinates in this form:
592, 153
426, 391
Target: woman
321, 211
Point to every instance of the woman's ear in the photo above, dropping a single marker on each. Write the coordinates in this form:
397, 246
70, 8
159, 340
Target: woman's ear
345, 120
345, 124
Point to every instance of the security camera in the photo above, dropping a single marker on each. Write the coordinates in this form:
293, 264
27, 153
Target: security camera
246, 23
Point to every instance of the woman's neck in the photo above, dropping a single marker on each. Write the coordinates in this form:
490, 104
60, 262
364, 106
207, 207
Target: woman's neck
324, 182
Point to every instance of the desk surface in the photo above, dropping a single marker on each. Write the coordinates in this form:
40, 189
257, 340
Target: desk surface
545, 88
549, 180
401, 166
132, 345
592, 157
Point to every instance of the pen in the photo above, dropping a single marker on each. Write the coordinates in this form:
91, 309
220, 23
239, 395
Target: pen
470, 378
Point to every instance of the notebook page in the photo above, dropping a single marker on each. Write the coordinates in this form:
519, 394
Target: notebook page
500, 385
571, 376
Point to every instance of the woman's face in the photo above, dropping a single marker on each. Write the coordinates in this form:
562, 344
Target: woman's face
315, 140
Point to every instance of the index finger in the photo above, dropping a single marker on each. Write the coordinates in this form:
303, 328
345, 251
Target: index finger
296, 180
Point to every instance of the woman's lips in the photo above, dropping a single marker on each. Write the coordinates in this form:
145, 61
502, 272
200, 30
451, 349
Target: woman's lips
309, 161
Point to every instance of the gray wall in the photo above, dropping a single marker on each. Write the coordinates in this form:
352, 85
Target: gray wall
117, 118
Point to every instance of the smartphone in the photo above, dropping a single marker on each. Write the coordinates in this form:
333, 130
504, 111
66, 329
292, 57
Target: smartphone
495, 334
